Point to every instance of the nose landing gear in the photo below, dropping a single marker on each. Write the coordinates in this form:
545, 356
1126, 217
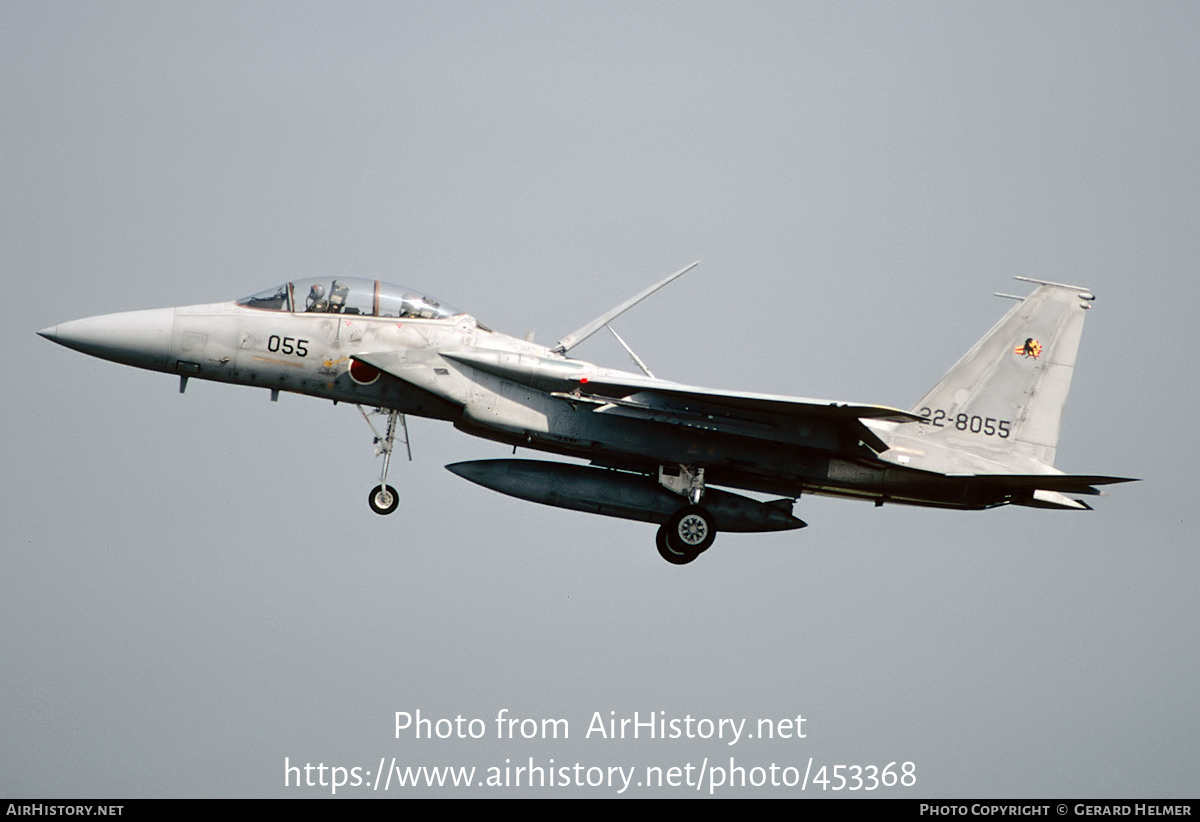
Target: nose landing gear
383, 498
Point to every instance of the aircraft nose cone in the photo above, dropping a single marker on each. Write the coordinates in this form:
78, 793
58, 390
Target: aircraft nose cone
141, 338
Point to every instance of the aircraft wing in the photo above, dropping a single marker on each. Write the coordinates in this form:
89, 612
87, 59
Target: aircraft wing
688, 398
736, 413
570, 380
732, 412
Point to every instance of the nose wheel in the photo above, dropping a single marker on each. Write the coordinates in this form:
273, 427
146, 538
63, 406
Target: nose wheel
383, 499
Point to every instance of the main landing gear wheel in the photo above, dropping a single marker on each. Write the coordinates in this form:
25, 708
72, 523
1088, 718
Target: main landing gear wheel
383, 499
688, 533
665, 551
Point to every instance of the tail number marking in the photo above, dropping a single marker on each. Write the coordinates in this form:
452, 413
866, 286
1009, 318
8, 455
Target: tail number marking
988, 426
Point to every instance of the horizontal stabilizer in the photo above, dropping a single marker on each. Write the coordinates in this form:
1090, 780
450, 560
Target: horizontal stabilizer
1053, 499
1063, 483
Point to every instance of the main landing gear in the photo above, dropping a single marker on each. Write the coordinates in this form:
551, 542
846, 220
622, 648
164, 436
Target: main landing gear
383, 498
690, 531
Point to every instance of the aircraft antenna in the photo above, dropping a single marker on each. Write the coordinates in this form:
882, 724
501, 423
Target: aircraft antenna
636, 359
576, 337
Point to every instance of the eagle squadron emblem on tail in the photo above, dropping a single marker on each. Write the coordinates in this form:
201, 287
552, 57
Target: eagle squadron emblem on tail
1030, 348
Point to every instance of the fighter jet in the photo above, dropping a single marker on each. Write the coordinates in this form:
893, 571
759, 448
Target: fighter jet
656, 451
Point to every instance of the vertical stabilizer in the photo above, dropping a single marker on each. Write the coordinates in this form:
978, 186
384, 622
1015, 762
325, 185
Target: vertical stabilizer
999, 409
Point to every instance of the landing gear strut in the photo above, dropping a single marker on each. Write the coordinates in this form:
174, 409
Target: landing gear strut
383, 498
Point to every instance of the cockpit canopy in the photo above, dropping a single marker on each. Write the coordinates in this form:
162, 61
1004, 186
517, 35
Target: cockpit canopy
348, 295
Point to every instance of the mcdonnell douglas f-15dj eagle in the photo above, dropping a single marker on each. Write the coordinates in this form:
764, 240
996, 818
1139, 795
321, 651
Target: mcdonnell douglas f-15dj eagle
984, 436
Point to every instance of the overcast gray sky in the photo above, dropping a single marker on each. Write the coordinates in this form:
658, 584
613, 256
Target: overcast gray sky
194, 588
